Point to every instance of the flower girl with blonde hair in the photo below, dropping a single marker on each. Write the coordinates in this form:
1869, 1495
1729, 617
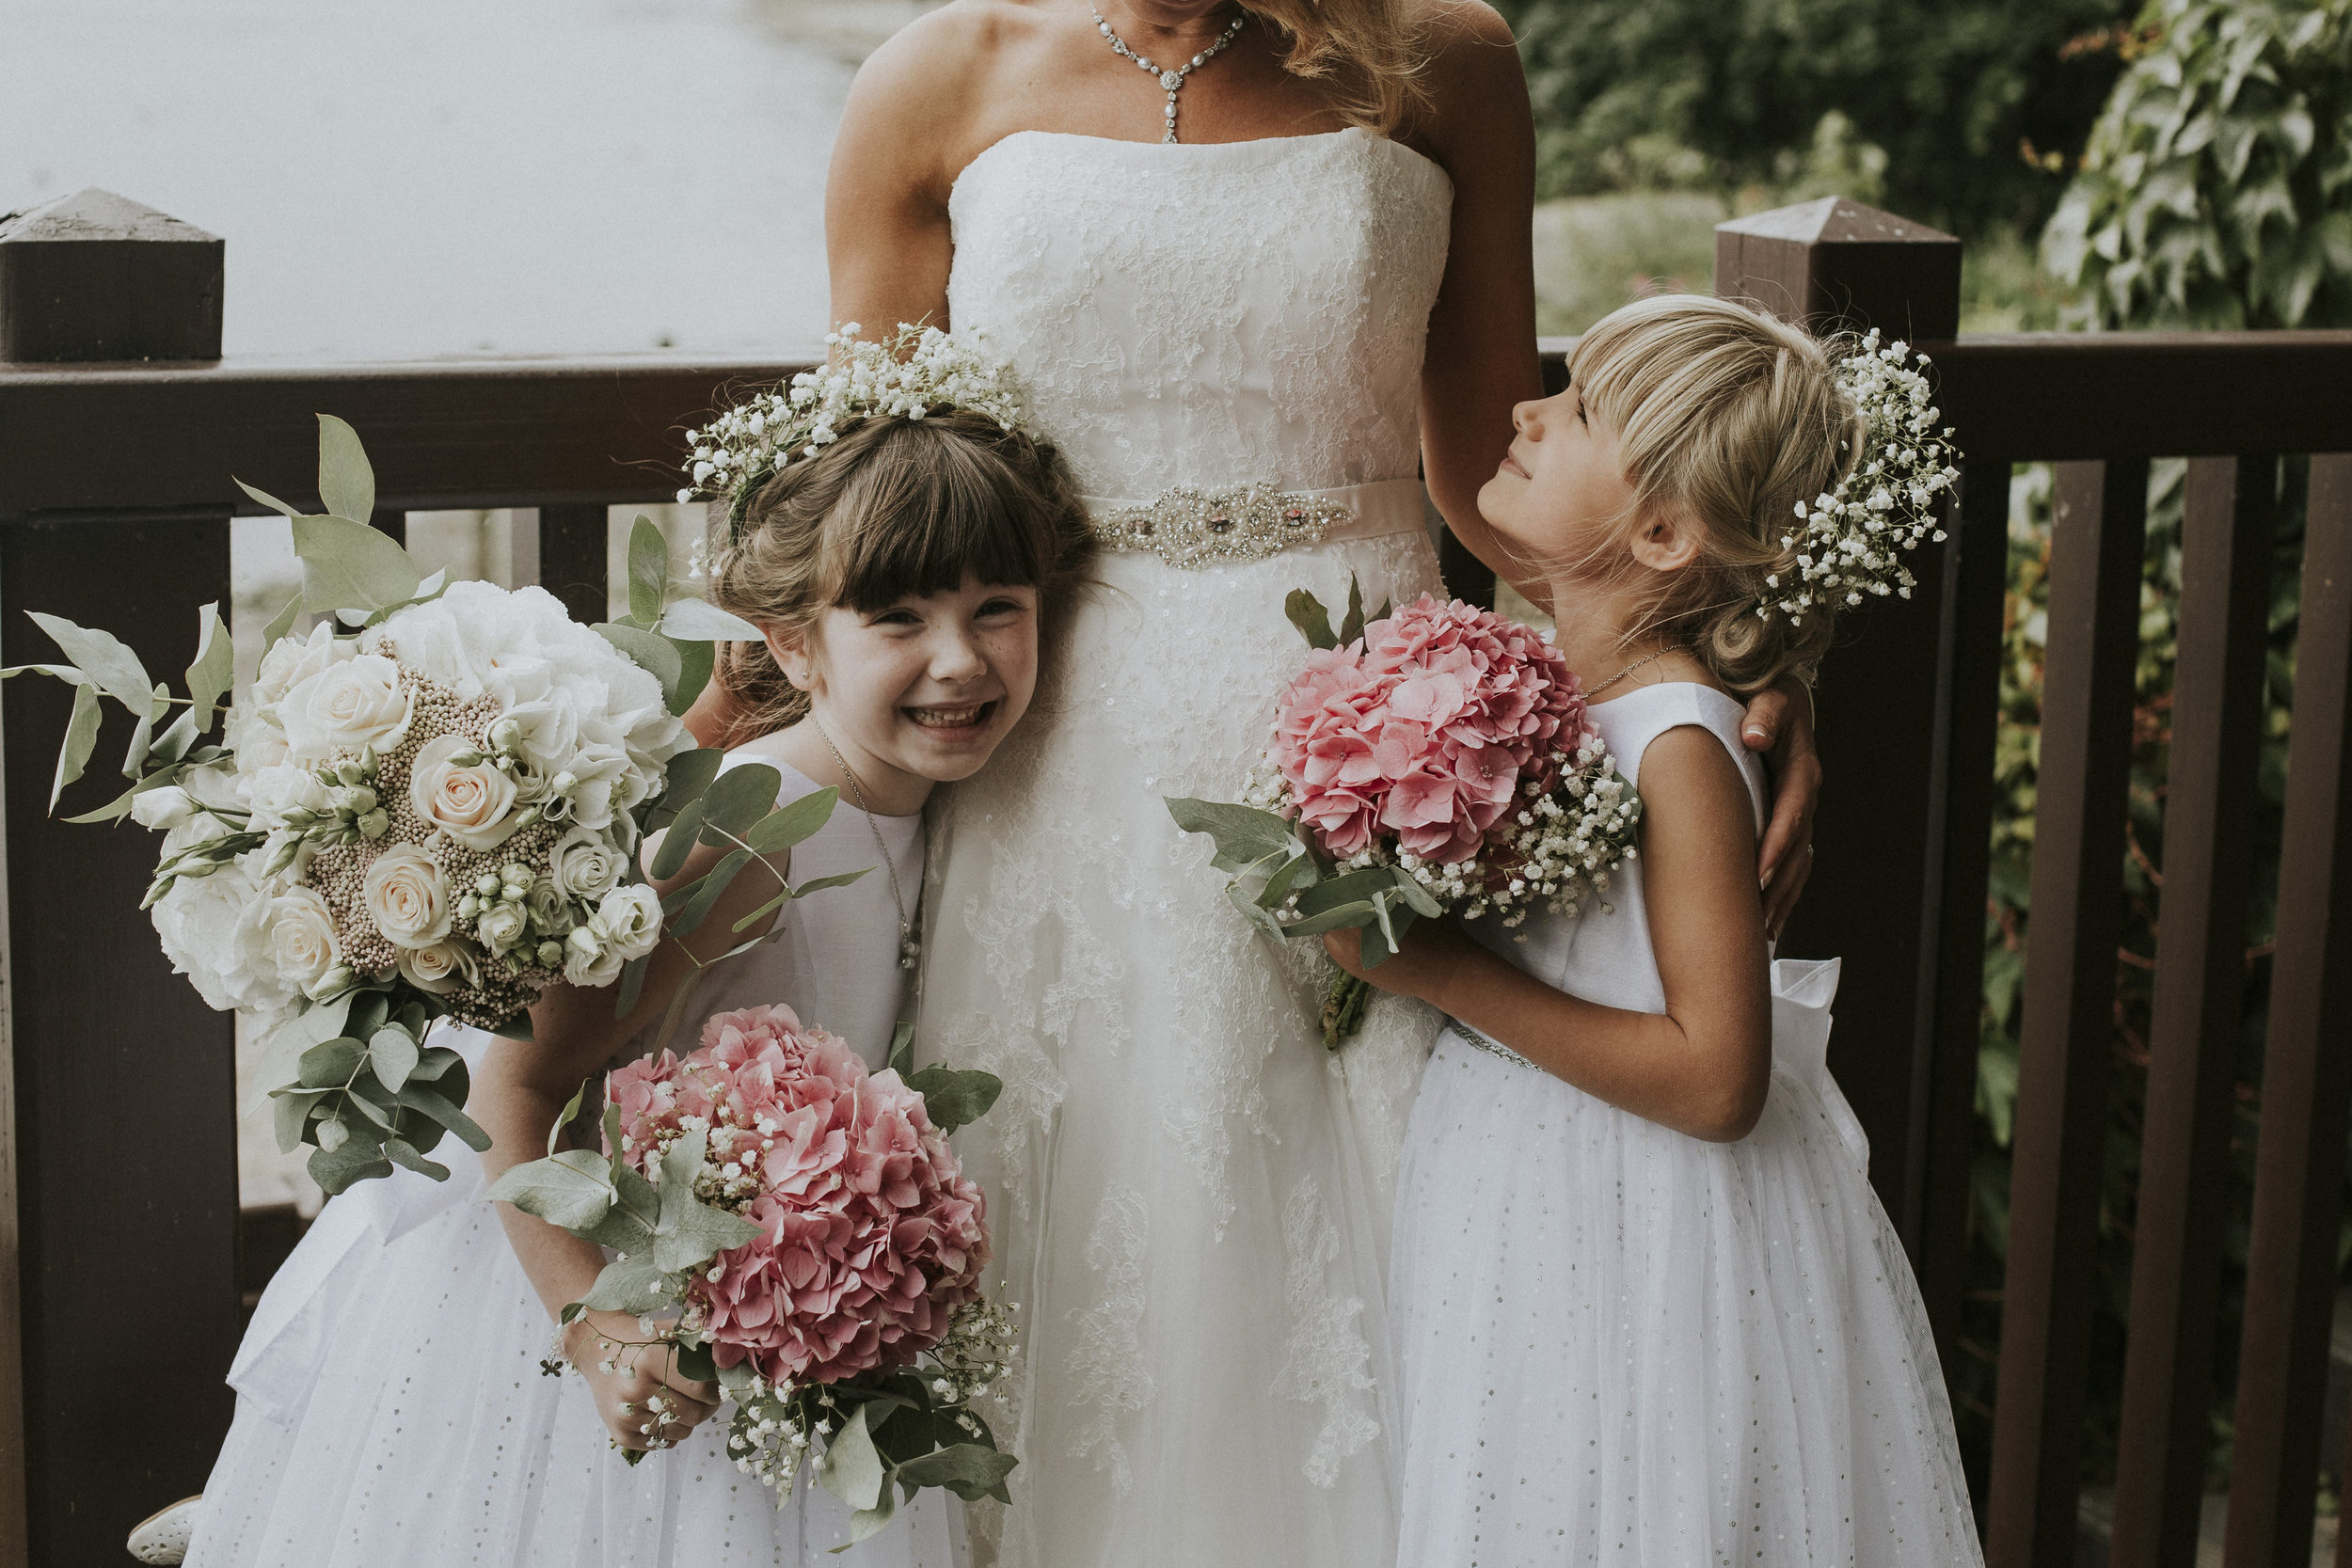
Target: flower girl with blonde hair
1647, 1307
392, 1406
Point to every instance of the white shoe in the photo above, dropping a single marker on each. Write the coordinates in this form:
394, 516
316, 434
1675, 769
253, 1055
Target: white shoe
163, 1537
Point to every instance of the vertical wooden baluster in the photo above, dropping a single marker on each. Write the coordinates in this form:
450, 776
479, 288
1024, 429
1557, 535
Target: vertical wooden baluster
2199, 986
572, 547
1837, 264
124, 1082
1934, 1217
2061, 1134
2307, 1073
392, 522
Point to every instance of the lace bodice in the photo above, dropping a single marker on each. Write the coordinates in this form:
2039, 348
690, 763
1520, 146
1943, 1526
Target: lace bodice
1208, 313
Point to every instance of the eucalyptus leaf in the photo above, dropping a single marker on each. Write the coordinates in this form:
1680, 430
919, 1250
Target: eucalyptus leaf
393, 1052
440, 1108
695, 661
901, 1058
700, 620
349, 566
956, 1098
143, 733
1338, 918
1352, 626
433, 1062
282, 623
652, 652
648, 572
1305, 612
632, 985
330, 1065
802, 890
668, 856
1239, 898
269, 500
740, 798
81, 740
683, 779
632, 1284
1244, 836
370, 1011
289, 1112
366, 1105
360, 1159
793, 822
690, 1231
695, 1361
346, 480
571, 1190
867, 1522
970, 1471
696, 897
215, 668
401, 1153
851, 1470
103, 657
172, 745
564, 1117
1416, 894
1352, 887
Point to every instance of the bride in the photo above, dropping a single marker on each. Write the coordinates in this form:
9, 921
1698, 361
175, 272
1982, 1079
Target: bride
1292, 252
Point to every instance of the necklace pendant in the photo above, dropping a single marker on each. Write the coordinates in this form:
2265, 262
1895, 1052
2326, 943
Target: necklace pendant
1171, 80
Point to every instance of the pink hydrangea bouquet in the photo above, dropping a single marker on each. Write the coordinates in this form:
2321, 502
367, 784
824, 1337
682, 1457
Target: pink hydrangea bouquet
1435, 760
802, 1232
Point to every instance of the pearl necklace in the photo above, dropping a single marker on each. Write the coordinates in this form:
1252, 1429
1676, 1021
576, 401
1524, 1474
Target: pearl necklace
1172, 82
909, 947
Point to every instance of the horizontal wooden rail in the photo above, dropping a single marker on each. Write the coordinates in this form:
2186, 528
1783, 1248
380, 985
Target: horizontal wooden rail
456, 433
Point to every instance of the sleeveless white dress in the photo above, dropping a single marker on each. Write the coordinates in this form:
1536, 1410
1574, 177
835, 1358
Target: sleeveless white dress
1189, 1195
391, 1412
1619, 1344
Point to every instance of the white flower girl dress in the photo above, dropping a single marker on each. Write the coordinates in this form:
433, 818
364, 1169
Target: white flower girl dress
1623, 1345
391, 1411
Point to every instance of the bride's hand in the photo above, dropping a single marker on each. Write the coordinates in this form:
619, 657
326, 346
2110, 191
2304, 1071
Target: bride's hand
642, 1400
1779, 722
1432, 951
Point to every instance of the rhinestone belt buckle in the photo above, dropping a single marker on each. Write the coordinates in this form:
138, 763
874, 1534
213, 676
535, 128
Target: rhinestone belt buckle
1188, 527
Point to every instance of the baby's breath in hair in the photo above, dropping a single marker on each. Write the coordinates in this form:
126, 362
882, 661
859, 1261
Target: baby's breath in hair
914, 371
1850, 542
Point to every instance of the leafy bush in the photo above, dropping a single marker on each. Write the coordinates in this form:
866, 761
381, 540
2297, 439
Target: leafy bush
1725, 93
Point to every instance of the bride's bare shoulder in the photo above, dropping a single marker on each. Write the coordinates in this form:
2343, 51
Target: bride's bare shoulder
1476, 89
953, 55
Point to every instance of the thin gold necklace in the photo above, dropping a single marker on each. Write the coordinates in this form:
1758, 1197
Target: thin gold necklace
909, 947
1621, 675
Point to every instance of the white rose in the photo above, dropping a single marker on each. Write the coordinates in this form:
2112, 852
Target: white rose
587, 961
277, 791
302, 938
441, 968
349, 706
585, 864
406, 898
501, 925
255, 736
472, 805
550, 906
164, 807
291, 660
215, 930
631, 918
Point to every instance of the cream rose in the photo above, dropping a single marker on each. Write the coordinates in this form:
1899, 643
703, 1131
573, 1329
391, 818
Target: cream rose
474, 805
302, 940
405, 897
441, 968
586, 864
291, 660
350, 706
632, 920
550, 907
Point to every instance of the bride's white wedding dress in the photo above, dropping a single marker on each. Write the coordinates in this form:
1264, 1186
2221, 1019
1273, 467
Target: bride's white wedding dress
1189, 1195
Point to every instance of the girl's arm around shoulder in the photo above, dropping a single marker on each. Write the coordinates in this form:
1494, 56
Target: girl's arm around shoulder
1703, 1065
1481, 357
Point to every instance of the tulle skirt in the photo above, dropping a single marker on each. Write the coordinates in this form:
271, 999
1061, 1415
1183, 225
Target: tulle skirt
392, 1413
1622, 1345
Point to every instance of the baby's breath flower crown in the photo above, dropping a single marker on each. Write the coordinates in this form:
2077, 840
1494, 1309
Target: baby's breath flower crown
1850, 542
915, 371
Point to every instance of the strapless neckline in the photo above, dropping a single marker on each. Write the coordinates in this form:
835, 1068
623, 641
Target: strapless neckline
1255, 149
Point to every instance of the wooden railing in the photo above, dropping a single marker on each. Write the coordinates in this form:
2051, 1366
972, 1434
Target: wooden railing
117, 1241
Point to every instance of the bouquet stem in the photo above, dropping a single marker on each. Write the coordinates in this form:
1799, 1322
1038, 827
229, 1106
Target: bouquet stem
1343, 1003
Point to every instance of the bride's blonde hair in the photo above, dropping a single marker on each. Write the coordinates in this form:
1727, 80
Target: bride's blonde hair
1365, 54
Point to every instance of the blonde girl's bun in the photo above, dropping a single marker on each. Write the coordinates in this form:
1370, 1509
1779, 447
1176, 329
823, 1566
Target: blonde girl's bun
893, 507
1726, 417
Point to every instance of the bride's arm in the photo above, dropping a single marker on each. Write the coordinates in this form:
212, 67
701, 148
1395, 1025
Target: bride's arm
1481, 355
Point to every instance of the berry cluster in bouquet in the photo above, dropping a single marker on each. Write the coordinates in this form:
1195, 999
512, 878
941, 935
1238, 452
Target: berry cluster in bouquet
426, 807
1434, 760
799, 1230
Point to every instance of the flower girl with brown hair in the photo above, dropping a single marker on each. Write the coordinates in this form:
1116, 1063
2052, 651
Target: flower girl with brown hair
1647, 1307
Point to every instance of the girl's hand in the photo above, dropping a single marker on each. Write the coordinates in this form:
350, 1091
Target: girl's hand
1431, 954
644, 1401
1779, 723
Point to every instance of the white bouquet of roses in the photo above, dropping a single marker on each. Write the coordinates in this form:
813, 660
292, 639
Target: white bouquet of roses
428, 806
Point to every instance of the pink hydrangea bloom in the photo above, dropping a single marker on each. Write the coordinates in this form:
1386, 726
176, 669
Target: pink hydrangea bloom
1420, 733
875, 1237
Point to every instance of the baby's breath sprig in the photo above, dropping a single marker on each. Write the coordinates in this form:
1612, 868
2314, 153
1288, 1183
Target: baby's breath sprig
914, 371
1849, 543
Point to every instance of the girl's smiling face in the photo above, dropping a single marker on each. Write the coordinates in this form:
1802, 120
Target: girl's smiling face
921, 691
1560, 494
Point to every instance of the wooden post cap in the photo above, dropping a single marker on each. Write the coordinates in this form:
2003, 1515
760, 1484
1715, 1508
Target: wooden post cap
1835, 263
92, 276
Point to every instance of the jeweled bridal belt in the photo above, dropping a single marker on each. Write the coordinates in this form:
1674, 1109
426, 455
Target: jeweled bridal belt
1186, 526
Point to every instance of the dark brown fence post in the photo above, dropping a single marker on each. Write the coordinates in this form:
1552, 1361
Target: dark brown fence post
124, 1147
1835, 263
572, 547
